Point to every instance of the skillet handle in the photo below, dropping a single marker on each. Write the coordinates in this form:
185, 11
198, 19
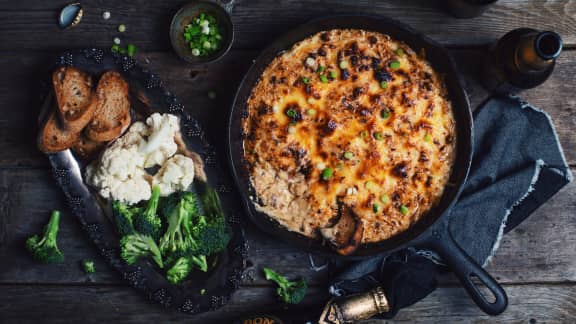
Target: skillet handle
466, 269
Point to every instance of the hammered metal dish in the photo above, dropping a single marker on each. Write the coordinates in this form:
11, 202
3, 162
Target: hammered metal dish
225, 277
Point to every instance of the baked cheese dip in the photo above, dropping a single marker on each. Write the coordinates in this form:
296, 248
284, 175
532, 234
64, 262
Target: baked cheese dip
348, 136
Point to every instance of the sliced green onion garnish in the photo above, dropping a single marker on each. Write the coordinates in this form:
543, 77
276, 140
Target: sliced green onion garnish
399, 52
291, 113
339, 165
370, 185
343, 65
324, 78
384, 85
427, 137
320, 69
115, 48
404, 210
333, 74
384, 199
195, 52
122, 28
385, 113
327, 174
348, 155
130, 50
375, 207
311, 112
364, 134
378, 136
305, 80
394, 65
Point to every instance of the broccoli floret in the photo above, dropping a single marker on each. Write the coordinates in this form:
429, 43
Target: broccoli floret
291, 292
211, 230
213, 235
88, 266
180, 270
200, 262
148, 222
183, 266
46, 249
191, 237
135, 246
124, 216
178, 240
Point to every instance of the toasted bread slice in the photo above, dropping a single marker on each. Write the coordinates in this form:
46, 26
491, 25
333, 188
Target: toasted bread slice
73, 89
87, 149
112, 115
53, 137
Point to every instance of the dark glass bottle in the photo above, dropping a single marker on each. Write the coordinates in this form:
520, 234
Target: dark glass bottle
523, 58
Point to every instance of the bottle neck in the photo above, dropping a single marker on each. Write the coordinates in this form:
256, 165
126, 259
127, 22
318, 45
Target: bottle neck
538, 51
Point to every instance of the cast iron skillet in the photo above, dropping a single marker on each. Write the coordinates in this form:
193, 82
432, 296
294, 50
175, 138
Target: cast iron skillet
432, 231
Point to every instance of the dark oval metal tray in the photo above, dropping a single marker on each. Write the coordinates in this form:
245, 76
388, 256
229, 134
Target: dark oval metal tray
219, 283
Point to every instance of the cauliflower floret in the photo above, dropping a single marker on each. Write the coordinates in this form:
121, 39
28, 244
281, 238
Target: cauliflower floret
160, 144
176, 174
134, 136
120, 175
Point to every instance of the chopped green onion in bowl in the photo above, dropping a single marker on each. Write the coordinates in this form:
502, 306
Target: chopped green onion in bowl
203, 35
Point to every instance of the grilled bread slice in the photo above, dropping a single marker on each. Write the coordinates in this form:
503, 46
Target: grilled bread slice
73, 89
53, 136
87, 149
112, 115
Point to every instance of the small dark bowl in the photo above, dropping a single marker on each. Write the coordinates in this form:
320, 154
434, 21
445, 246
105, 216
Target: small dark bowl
189, 12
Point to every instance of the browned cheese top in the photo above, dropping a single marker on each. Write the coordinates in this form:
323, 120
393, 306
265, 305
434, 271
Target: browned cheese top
349, 118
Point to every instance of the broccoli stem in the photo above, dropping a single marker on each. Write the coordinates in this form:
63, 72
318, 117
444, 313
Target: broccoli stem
200, 262
53, 226
45, 249
148, 222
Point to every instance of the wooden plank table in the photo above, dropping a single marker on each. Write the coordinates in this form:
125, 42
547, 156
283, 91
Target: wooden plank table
536, 263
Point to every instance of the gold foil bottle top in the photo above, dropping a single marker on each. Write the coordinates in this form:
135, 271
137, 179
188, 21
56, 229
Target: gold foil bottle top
355, 307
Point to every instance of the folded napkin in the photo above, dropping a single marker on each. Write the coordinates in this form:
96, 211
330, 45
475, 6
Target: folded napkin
518, 165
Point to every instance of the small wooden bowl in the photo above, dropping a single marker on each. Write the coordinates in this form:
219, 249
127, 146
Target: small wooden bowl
189, 12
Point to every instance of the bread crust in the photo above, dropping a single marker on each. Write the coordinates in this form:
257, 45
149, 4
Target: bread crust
112, 114
73, 90
54, 137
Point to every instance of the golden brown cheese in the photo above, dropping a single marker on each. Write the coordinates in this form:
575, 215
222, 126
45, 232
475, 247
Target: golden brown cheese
349, 118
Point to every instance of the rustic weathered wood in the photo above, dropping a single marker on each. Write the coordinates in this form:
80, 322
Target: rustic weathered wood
533, 303
20, 99
28, 24
538, 251
537, 261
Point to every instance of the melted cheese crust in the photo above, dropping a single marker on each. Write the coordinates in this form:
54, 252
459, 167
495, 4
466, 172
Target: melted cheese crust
389, 145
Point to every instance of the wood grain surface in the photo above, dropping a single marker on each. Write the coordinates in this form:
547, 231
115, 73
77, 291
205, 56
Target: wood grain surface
536, 262
28, 24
